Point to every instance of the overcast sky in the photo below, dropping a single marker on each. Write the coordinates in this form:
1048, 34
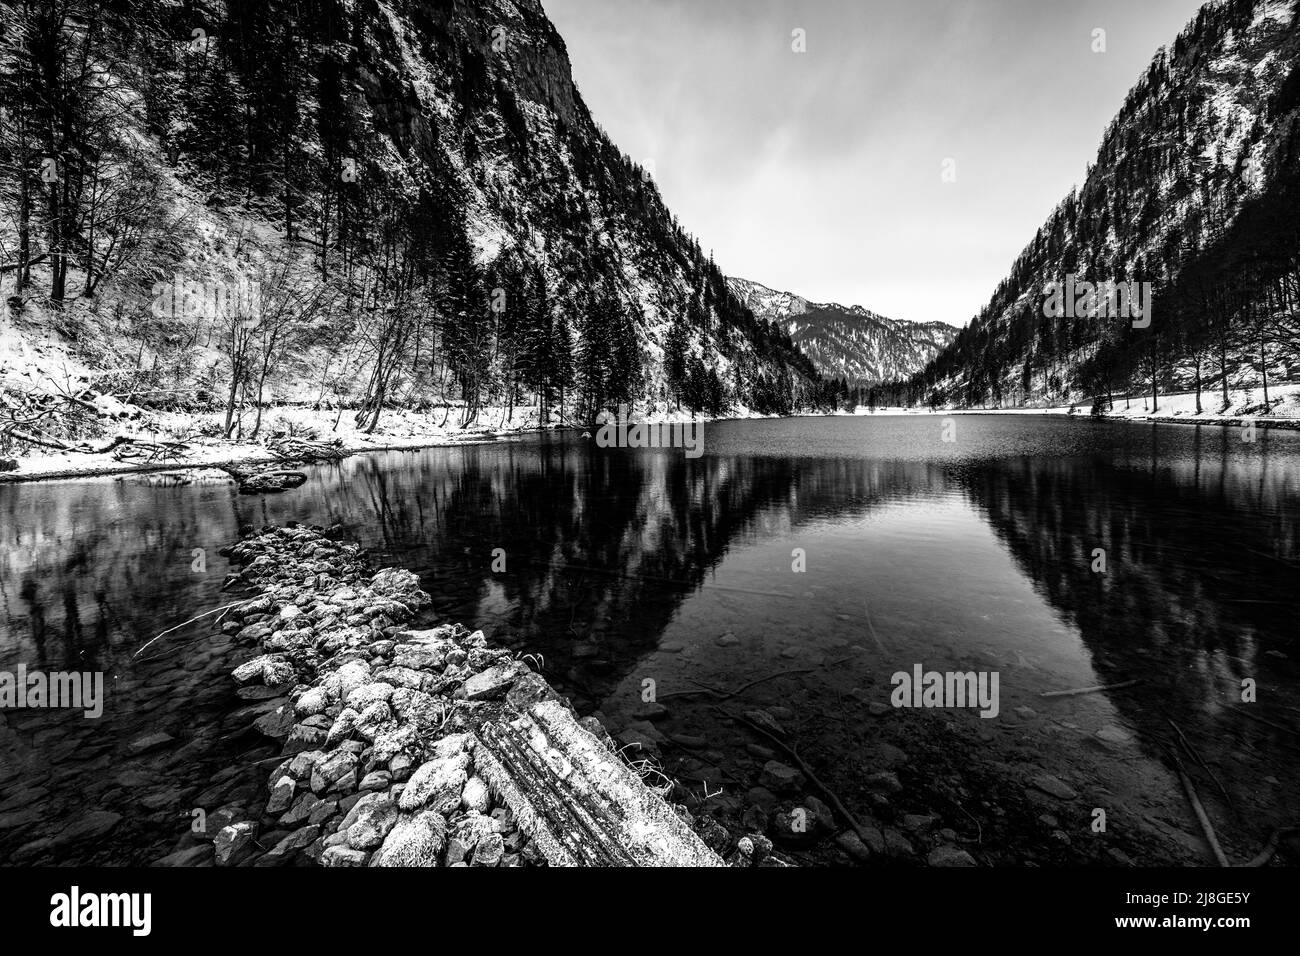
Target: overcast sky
820, 173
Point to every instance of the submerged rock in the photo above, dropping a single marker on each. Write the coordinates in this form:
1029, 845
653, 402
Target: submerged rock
853, 845
949, 856
1054, 787
781, 778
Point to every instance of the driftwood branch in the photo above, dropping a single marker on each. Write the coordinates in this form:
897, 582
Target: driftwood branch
1195, 755
721, 694
1267, 723
1091, 690
1270, 848
197, 617
1198, 808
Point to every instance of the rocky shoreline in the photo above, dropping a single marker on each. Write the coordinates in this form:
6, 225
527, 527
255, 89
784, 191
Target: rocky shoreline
382, 761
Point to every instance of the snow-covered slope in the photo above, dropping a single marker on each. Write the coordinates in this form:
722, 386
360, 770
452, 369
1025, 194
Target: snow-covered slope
848, 343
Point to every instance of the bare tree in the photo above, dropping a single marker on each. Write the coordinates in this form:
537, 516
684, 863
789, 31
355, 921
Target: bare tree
386, 327
289, 307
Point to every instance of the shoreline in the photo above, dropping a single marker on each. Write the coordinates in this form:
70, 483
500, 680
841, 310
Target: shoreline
212, 453
1226, 421
229, 454
122, 468
105, 466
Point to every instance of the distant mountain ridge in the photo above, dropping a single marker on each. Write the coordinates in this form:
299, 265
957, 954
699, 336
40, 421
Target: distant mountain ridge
847, 342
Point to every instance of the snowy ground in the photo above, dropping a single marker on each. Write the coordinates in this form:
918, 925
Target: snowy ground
410, 430
1247, 403
398, 429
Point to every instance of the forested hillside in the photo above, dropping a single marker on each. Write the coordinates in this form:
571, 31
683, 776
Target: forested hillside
1195, 190
340, 202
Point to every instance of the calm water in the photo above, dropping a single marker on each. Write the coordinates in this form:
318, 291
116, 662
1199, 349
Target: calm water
628, 566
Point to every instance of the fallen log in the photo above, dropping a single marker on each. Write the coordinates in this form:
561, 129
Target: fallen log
42, 440
307, 451
576, 799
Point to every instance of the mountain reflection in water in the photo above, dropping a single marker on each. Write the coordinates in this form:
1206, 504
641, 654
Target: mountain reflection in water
628, 565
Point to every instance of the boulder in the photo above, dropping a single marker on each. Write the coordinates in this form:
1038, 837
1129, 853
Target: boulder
289, 847
235, 842
281, 795
414, 841
313, 702
343, 855
437, 784
375, 814
491, 683
333, 770
475, 797
489, 850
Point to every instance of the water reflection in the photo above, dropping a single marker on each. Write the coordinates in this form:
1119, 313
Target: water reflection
974, 553
1198, 594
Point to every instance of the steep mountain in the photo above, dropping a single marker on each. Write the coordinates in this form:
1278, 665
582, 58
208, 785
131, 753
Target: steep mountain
847, 343
1194, 190
361, 201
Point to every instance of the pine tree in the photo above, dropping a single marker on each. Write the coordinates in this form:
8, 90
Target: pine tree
511, 309
625, 377
595, 356
678, 341
466, 327
561, 376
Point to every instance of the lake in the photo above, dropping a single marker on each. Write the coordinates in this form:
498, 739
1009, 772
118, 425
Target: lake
801, 563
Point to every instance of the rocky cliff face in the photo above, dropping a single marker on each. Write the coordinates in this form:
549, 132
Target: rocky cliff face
355, 139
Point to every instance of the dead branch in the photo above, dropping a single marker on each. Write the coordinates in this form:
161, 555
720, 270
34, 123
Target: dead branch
1091, 690
1194, 799
727, 695
1195, 755
197, 617
789, 749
